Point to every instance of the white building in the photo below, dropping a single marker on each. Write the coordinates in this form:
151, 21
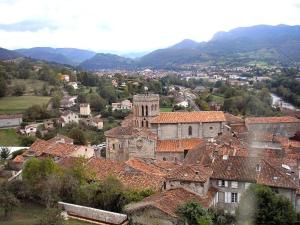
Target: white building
85, 109
123, 105
68, 117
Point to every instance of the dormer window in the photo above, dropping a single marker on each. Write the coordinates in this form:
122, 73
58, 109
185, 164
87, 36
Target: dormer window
258, 168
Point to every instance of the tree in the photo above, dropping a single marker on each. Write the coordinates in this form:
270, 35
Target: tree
3, 86
78, 136
7, 201
19, 89
260, 205
51, 216
219, 217
193, 213
4, 153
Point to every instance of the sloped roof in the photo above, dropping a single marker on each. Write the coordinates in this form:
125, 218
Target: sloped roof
245, 169
278, 119
189, 117
196, 173
137, 180
177, 145
169, 201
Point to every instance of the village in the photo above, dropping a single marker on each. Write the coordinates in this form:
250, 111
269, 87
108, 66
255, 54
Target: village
210, 157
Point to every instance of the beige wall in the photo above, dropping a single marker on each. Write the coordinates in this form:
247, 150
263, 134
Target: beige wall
285, 129
170, 156
83, 151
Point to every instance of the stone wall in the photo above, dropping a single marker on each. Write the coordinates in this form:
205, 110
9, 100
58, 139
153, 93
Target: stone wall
187, 130
10, 122
94, 214
170, 156
195, 187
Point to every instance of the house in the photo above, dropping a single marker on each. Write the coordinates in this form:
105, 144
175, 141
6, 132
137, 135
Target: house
85, 109
68, 102
232, 175
65, 78
56, 148
184, 104
10, 120
74, 85
281, 125
96, 122
29, 130
49, 124
68, 117
123, 105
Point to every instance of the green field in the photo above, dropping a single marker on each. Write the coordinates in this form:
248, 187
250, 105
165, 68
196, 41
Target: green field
9, 137
166, 109
13, 105
29, 214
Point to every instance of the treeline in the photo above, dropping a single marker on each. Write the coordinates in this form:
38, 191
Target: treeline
286, 87
238, 101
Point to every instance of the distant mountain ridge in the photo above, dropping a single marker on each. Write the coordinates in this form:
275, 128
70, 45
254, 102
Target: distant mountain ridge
107, 61
71, 56
262, 43
6, 54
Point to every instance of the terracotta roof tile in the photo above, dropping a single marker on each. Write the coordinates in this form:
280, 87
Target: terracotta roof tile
137, 180
189, 117
169, 201
177, 145
279, 119
157, 167
197, 173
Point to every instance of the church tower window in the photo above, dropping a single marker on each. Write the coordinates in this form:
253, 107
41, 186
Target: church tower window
190, 131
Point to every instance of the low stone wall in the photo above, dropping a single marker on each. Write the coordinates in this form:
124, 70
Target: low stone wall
94, 214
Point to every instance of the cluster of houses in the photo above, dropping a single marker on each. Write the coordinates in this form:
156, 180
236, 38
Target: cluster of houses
210, 157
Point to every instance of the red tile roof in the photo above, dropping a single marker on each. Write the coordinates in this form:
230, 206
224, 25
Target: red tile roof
169, 201
279, 119
189, 117
132, 179
177, 145
197, 173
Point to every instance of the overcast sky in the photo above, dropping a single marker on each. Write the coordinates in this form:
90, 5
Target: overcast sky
132, 25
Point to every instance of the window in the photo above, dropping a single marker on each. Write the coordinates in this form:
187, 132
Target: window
222, 183
142, 110
164, 159
234, 184
190, 131
146, 110
113, 146
147, 124
211, 128
234, 197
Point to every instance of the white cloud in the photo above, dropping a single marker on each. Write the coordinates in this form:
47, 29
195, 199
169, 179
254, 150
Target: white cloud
134, 25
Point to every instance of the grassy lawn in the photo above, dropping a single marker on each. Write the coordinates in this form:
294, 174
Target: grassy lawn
29, 214
166, 109
9, 137
30, 84
13, 105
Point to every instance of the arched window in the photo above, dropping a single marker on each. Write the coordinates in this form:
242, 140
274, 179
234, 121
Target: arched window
142, 110
142, 123
147, 124
146, 110
190, 131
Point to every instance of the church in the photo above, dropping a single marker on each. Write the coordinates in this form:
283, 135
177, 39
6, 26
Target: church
152, 134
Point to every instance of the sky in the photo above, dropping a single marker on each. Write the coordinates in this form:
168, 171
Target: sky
132, 25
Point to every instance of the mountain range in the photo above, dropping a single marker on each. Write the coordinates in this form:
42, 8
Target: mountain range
262, 43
